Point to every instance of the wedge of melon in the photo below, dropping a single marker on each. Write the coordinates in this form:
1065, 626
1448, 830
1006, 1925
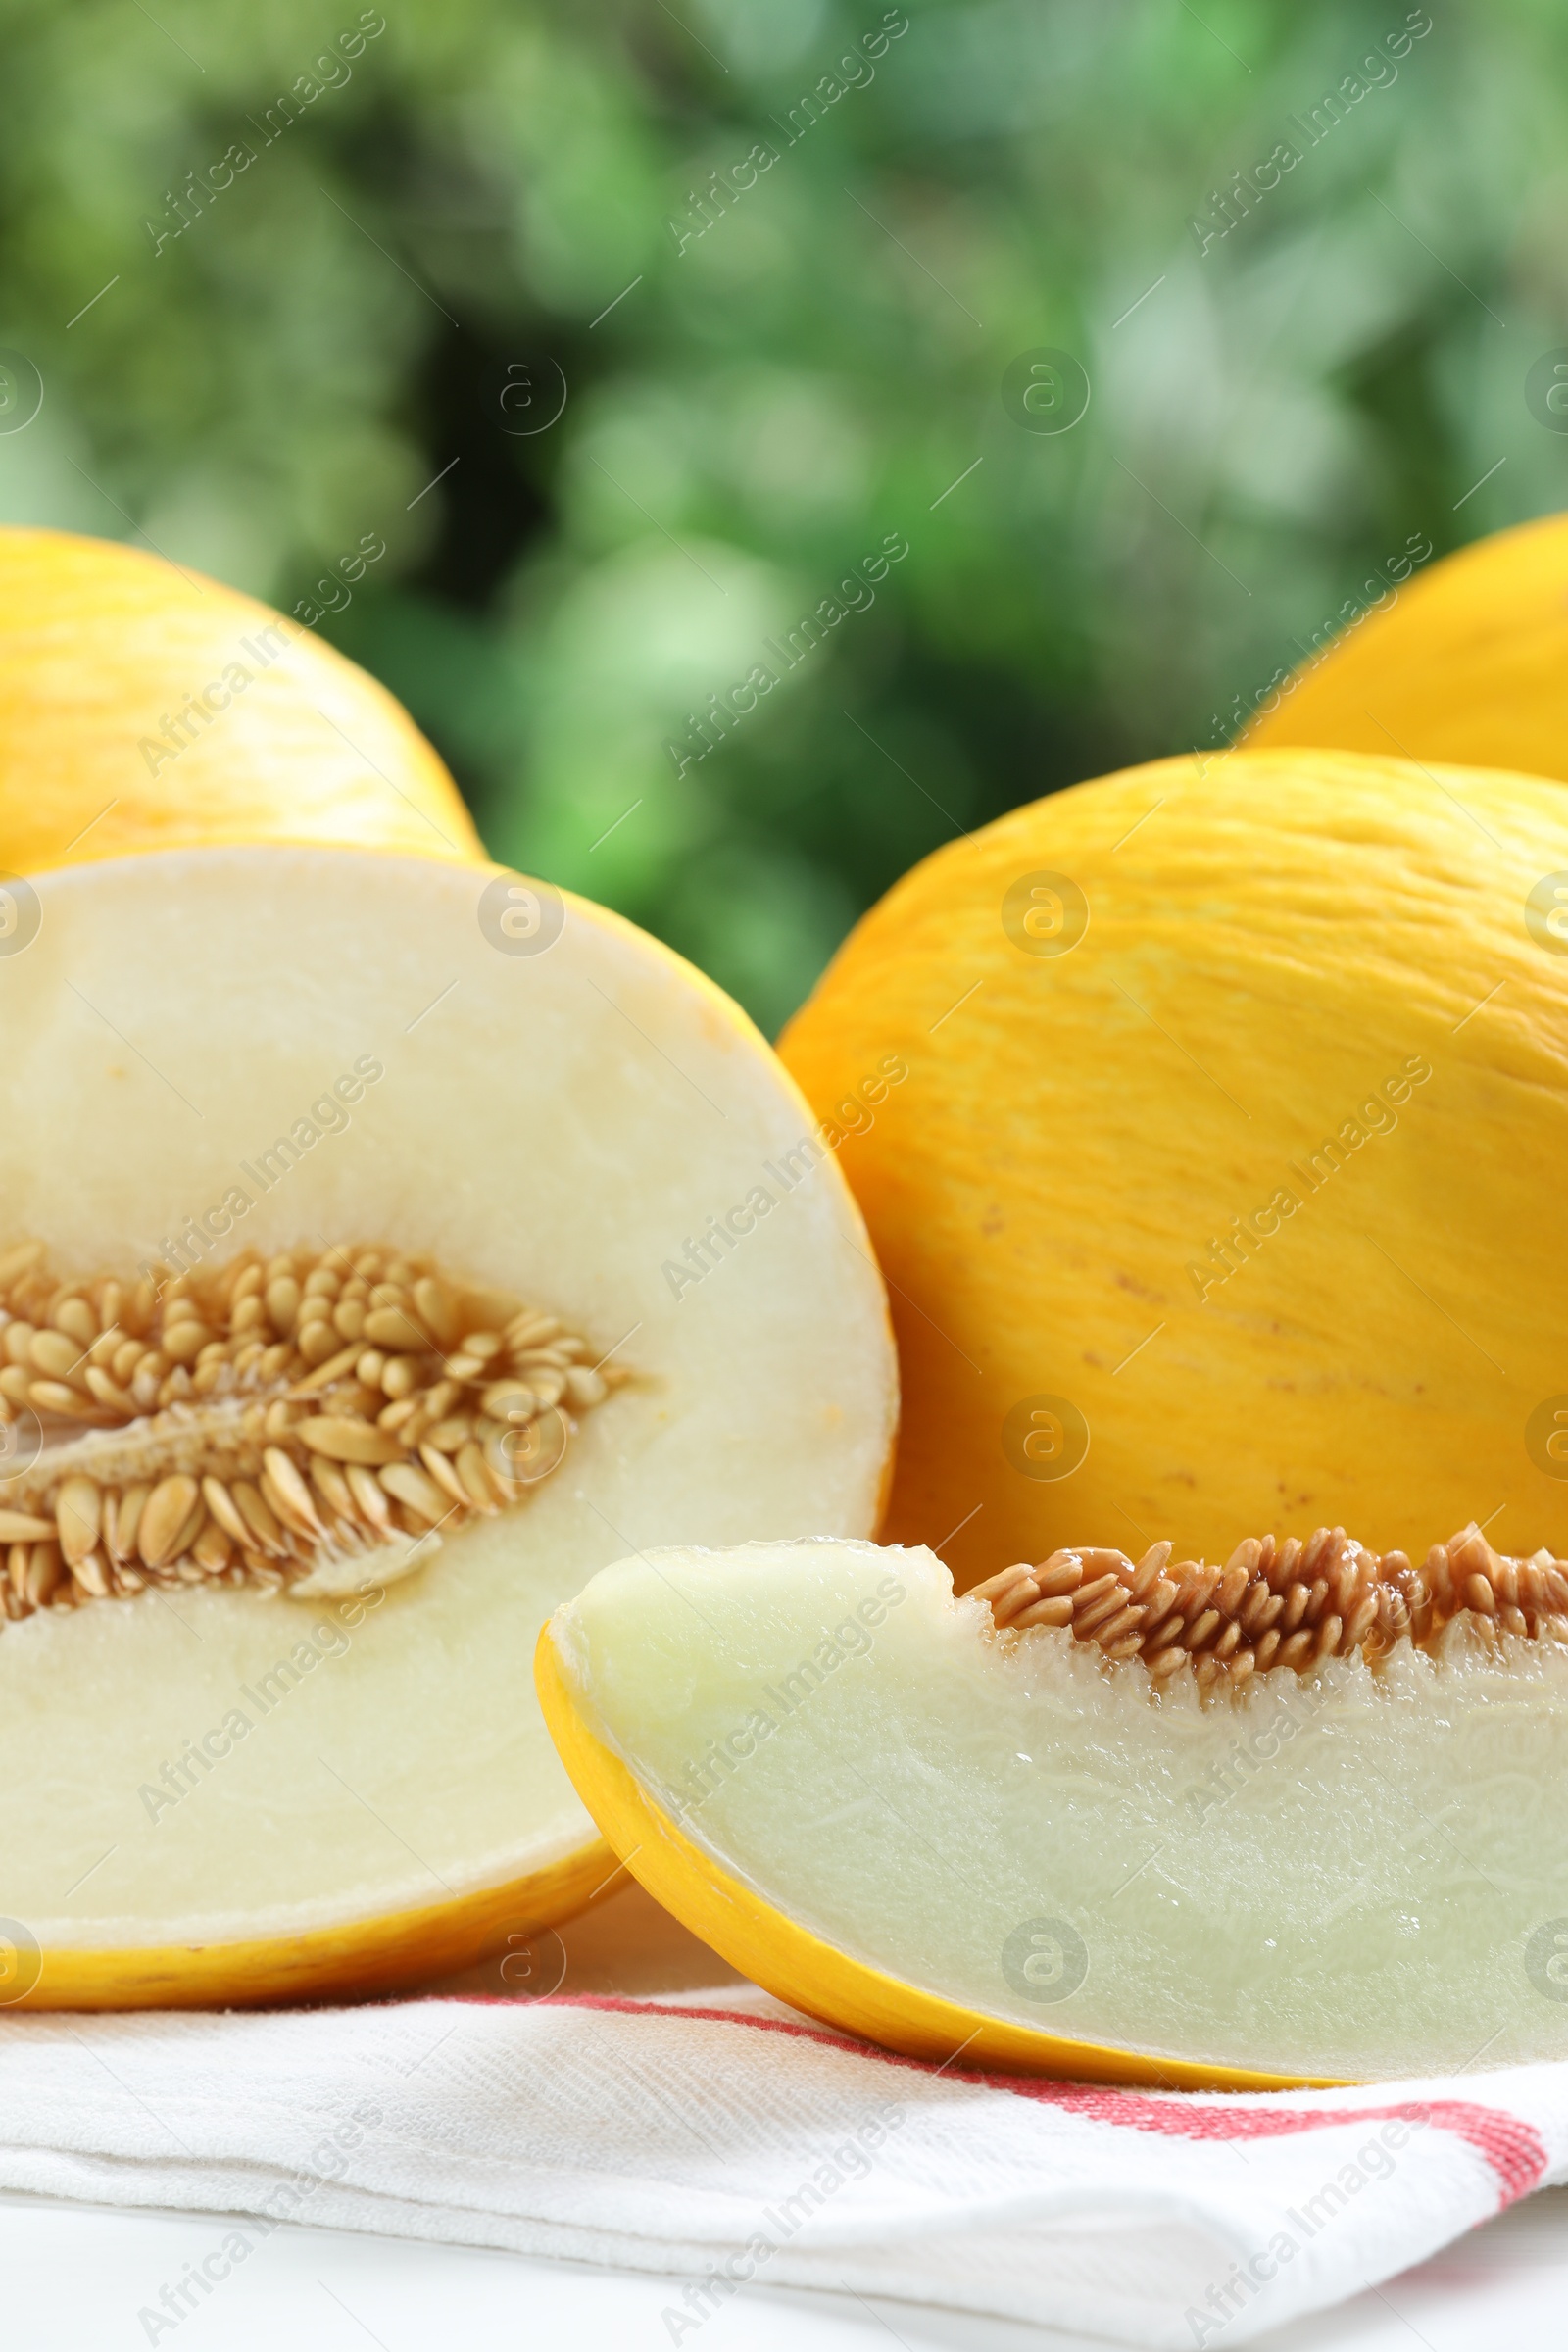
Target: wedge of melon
1006, 1843
294, 1144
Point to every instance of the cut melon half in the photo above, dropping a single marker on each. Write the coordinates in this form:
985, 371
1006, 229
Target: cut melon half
388, 1245
1001, 1844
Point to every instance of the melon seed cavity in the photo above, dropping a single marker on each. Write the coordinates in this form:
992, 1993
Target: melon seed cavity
1280, 1605
302, 1424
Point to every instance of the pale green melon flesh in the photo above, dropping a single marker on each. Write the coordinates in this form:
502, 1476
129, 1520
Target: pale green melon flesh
555, 1125
1349, 1874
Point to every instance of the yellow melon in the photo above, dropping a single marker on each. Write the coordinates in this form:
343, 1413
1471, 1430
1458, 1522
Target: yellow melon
1222, 1189
143, 707
1467, 661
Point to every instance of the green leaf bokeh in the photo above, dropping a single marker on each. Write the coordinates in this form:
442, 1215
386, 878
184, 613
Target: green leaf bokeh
769, 371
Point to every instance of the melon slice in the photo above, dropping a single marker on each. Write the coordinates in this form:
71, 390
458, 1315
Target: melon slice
388, 1247
949, 1836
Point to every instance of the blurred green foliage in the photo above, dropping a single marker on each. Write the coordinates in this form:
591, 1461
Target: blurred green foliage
485, 185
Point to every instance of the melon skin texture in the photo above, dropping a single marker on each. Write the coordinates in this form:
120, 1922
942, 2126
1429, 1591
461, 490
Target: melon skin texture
1103, 1190
947, 1835
1465, 661
553, 1124
102, 644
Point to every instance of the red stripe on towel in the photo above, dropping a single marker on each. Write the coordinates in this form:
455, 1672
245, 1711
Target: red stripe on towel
1514, 2149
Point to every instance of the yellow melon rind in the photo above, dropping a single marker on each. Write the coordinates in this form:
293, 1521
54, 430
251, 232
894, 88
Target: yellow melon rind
1463, 664
360, 1958
276, 736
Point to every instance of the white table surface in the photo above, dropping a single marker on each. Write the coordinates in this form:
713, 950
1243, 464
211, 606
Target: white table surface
75, 2278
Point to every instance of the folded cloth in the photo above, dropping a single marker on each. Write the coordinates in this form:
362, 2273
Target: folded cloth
722, 2138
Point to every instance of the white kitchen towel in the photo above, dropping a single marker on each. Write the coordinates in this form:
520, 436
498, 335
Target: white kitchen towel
721, 2139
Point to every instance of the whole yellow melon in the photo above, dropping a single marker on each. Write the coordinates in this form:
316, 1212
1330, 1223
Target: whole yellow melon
145, 707
1222, 1185
1465, 661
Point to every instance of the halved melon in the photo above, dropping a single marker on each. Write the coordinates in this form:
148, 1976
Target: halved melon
1010, 1845
388, 1245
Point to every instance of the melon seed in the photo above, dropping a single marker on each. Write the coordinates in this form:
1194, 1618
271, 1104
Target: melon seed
1279, 1606
245, 1423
